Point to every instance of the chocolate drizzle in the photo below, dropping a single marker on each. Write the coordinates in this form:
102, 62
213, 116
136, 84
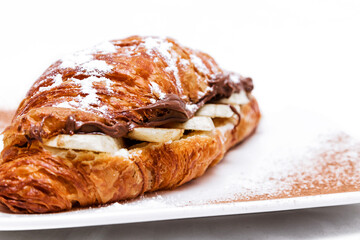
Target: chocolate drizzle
36, 132
176, 107
175, 112
223, 86
72, 126
171, 101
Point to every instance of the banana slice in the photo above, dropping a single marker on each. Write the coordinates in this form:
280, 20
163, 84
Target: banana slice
236, 98
195, 123
155, 134
89, 142
215, 110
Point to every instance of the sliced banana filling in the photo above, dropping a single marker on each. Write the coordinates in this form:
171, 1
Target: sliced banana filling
195, 123
155, 134
169, 132
215, 110
236, 99
88, 142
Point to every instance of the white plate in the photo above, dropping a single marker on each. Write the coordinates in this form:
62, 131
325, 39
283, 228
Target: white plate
295, 160
111, 216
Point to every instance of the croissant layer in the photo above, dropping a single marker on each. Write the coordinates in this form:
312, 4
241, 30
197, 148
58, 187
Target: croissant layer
111, 90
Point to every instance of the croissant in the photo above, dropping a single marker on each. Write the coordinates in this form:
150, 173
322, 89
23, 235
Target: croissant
121, 119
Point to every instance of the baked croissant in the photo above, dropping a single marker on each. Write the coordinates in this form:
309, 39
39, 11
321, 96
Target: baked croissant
121, 119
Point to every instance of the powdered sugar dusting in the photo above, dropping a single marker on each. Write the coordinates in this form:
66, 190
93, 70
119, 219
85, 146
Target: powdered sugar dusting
71, 104
199, 64
192, 107
105, 47
96, 67
234, 77
87, 87
164, 49
87, 64
91, 98
184, 62
130, 51
85, 61
123, 152
156, 201
203, 93
57, 81
155, 89
75, 60
331, 165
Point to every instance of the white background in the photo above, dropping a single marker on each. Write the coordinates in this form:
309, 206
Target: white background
299, 53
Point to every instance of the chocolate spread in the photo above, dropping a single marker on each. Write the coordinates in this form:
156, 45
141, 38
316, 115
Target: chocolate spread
174, 110
72, 126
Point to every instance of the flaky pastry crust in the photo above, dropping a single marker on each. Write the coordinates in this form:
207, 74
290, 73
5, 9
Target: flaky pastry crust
131, 85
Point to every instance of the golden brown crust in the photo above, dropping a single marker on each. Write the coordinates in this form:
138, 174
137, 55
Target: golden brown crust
35, 179
39, 181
